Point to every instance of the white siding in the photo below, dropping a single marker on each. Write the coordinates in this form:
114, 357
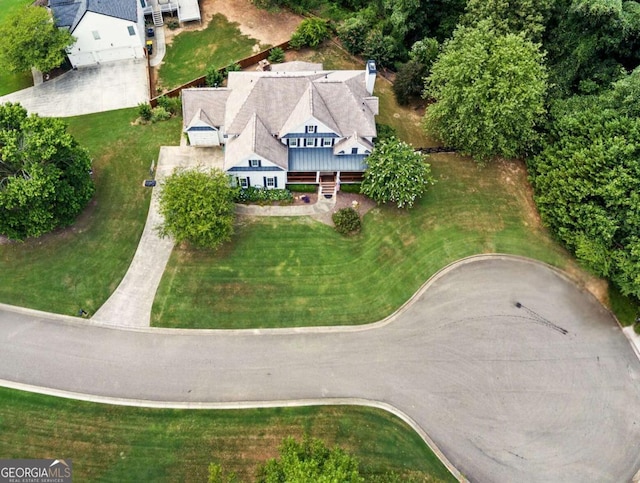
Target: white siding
257, 178
115, 42
320, 128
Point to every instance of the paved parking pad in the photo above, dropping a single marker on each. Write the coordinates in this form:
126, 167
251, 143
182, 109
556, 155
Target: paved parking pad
105, 87
516, 374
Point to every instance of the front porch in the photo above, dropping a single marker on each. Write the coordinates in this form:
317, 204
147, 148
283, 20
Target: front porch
316, 177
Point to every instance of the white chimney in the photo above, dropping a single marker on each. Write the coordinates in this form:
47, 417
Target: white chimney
370, 75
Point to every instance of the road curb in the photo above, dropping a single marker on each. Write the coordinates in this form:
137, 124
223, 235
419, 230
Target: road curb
141, 403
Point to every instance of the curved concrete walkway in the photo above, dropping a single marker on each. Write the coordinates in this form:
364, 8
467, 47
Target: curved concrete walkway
514, 373
130, 305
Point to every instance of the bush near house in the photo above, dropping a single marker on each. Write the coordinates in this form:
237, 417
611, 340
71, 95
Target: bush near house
276, 55
347, 221
262, 195
303, 188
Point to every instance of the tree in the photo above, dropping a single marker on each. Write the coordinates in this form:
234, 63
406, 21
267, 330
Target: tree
511, 16
45, 179
197, 207
586, 183
29, 38
310, 33
409, 82
591, 43
396, 173
489, 92
214, 77
310, 460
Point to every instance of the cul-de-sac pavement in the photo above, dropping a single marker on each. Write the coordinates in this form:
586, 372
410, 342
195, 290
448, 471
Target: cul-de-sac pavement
513, 372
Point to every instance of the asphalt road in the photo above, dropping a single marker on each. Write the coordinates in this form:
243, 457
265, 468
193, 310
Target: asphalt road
545, 391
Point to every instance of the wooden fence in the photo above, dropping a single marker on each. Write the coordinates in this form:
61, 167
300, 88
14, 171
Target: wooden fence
201, 81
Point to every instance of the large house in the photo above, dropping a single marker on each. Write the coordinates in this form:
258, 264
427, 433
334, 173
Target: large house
296, 123
105, 30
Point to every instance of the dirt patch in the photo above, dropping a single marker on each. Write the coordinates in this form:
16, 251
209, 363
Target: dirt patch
513, 174
360, 202
268, 28
598, 287
81, 224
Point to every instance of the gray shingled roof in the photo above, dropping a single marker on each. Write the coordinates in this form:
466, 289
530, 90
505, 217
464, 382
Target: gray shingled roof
68, 13
212, 101
255, 138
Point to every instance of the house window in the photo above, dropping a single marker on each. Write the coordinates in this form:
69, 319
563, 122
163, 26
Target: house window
254, 163
310, 129
293, 143
244, 182
309, 142
354, 150
327, 142
271, 182
132, 31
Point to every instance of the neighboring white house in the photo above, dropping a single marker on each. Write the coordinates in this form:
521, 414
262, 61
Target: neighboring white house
105, 30
296, 123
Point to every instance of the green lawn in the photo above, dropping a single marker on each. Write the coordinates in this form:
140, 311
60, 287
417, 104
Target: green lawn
81, 266
298, 272
190, 53
113, 443
10, 82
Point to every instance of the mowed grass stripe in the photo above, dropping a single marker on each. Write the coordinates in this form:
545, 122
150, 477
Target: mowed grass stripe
80, 266
298, 272
113, 443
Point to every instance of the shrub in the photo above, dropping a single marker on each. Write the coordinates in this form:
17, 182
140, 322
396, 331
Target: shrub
353, 34
303, 188
144, 111
350, 188
636, 327
262, 195
311, 32
173, 24
385, 132
172, 105
159, 114
232, 68
347, 221
214, 77
276, 55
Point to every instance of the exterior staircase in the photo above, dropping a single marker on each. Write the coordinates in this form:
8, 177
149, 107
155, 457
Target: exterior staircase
158, 21
328, 189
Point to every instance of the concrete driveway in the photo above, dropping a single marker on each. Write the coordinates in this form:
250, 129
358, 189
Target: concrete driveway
105, 87
515, 373
130, 304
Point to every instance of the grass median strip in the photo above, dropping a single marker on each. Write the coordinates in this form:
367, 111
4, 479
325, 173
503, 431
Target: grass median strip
114, 443
80, 266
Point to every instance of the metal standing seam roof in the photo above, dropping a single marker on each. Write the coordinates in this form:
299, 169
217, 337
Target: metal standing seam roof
323, 159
